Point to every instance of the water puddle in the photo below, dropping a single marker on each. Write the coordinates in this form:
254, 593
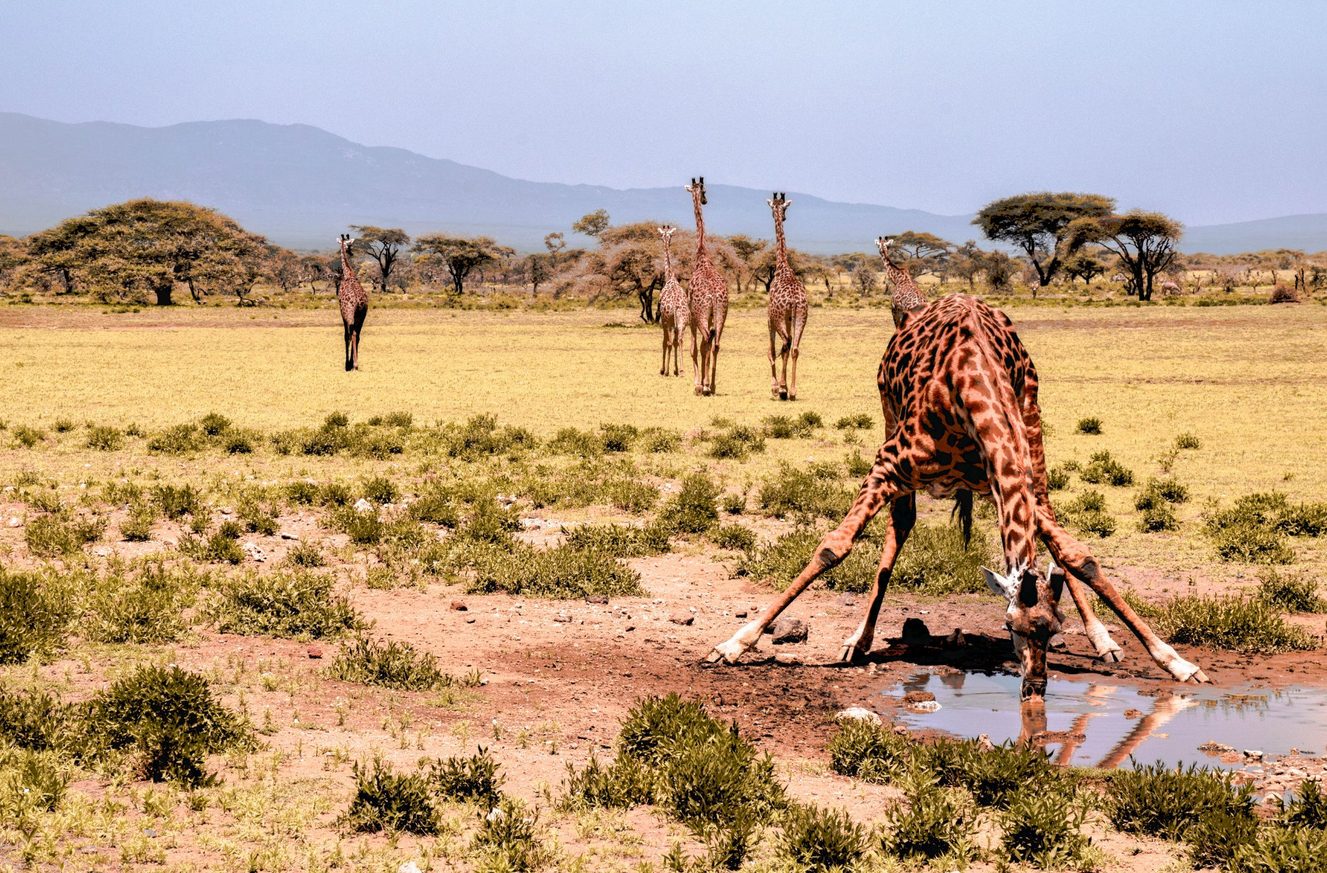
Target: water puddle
1096, 724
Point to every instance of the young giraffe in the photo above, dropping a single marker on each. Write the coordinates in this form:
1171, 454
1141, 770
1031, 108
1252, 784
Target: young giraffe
673, 310
354, 304
708, 302
907, 297
959, 394
787, 307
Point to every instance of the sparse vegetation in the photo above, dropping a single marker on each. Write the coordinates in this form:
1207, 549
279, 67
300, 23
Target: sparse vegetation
288, 603
35, 610
1090, 426
1234, 622
366, 661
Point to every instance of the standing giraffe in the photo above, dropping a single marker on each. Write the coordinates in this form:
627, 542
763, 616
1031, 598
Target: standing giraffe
673, 310
907, 297
354, 304
708, 302
960, 399
787, 307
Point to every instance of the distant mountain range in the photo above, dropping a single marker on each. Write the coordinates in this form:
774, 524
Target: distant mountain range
300, 186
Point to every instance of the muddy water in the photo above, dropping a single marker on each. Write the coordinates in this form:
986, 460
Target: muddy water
1096, 724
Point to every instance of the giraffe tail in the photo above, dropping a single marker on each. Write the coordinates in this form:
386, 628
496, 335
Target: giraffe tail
963, 514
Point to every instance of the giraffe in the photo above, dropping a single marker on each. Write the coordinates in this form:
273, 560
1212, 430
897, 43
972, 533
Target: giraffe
907, 297
354, 304
960, 399
673, 310
708, 302
787, 307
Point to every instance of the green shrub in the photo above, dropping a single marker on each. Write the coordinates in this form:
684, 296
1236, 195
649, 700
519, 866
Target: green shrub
178, 440
306, 555
1307, 810
380, 490
391, 665
733, 536
781, 427
727, 446
473, 779
255, 515
1057, 478
35, 721
1158, 518
51, 536
507, 838
618, 437
660, 439
145, 607
1188, 441
1089, 426
138, 526
1232, 622
1251, 545
562, 572
28, 437
1087, 513
1254, 529
1303, 520
935, 822
216, 549
1291, 593
1218, 834
44, 499
34, 612
692, 510
1276, 850
63, 425
214, 424
231, 530
732, 503
364, 528
302, 493
177, 501
389, 801
617, 541
237, 442
1102, 468
577, 443
1158, 801
105, 438
804, 493
868, 751
858, 465
811, 419
481, 436
1044, 829
289, 603
820, 840
31, 782
335, 420
860, 421
169, 720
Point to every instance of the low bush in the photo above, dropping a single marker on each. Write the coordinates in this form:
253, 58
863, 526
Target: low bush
617, 541
35, 721
392, 665
734, 537
737, 443
472, 779
507, 839
146, 606
733, 503
481, 436
576, 443
1158, 518
933, 822
364, 527
805, 494
869, 751
302, 492
618, 437
287, 603
306, 555
51, 536
219, 548
660, 439
104, 438
1308, 809
177, 501
138, 526
1104, 469
860, 421
820, 840
389, 801
1057, 478
178, 440
1254, 529
1290, 593
1089, 426
1232, 622
1158, 801
1044, 829
781, 427
1188, 440
214, 424
1277, 850
27, 437
1087, 513
168, 720
562, 572
30, 782
692, 510
380, 490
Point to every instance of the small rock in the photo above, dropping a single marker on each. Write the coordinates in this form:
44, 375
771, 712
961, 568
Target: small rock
597, 598
858, 713
102, 551
459, 606
287, 535
255, 551
562, 618
916, 633
15, 521
683, 620
913, 697
1216, 748
226, 510
788, 630
1253, 754
741, 613
1057, 643
363, 505
315, 652
787, 659
408, 867
470, 620
984, 742
630, 627
924, 706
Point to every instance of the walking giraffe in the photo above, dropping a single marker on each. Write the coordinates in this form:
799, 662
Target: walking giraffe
673, 309
354, 304
907, 297
960, 400
708, 302
787, 307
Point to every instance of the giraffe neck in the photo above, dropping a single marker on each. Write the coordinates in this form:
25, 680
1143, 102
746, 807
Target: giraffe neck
700, 225
668, 260
346, 269
780, 245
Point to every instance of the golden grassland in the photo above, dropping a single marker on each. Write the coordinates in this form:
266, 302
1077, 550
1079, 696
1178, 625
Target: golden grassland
1248, 381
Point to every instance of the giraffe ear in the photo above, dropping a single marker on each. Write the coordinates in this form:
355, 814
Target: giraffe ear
999, 584
771, 203
786, 204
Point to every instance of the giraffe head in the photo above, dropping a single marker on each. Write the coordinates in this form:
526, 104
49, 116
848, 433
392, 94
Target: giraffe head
1033, 617
697, 189
779, 205
883, 243
346, 241
666, 232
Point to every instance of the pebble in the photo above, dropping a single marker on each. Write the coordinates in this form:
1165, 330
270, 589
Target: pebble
287, 535
14, 521
858, 713
363, 505
315, 652
459, 606
562, 618
787, 659
788, 630
1253, 754
684, 620
741, 613
597, 598
408, 867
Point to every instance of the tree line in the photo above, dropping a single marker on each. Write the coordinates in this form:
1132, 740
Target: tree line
149, 250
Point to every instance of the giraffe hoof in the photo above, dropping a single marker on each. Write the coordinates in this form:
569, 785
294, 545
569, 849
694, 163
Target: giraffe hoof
1112, 656
1199, 678
851, 655
783, 395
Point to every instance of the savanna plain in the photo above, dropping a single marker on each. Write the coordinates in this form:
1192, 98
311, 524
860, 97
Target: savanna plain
258, 613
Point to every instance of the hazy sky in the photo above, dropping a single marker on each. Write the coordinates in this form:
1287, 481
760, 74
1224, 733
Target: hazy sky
1213, 111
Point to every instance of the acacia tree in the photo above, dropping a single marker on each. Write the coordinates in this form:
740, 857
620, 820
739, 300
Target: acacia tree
315, 269
125, 251
1038, 224
384, 245
1144, 241
748, 253
966, 261
1085, 264
922, 252
460, 255
592, 225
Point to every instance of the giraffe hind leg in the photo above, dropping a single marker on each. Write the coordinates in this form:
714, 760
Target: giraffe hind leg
902, 516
